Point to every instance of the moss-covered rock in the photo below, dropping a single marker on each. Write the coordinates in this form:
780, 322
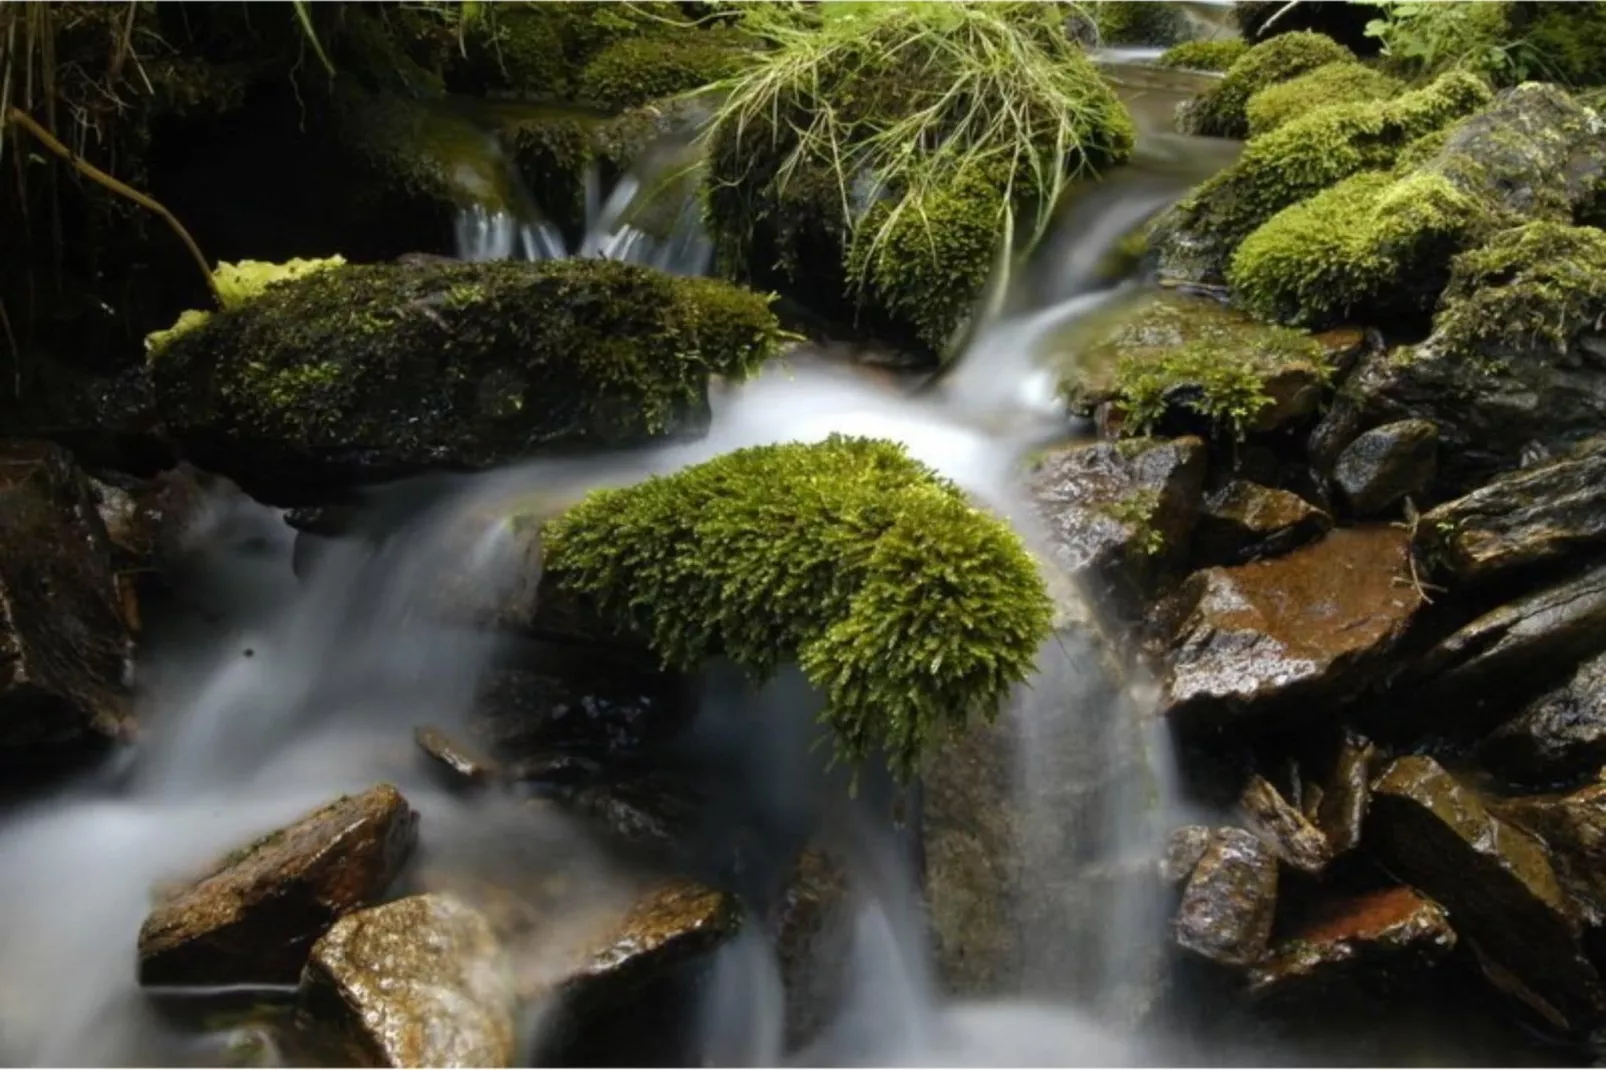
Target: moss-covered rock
1298, 160
378, 369
1220, 112
1132, 22
635, 70
909, 608
1214, 55
538, 50
1335, 83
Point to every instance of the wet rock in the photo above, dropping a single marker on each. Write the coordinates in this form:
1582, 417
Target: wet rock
1366, 939
1120, 514
1530, 517
372, 371
1474, 679
1304, 629
418, 982
1229, 902
1559, 736
1340, 812
1496, 882
64, 640
148, 521
1182, 853
812, 922
463, 766
252, 919
1573, 827
1244, 521
648, 811
1386, 464
592, 706
1291, 837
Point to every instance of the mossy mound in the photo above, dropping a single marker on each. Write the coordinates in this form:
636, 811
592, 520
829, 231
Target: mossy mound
373, 370
1298, 160
1336, 83
637, 70
538, 50
910, 609
1215, 55
1132, 22
1220, 111
844, 152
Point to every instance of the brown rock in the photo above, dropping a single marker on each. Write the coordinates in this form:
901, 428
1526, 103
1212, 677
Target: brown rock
1229, 903
1573, 827
1305, 630
461, 764
1356, 939
149, 521
1182, 853
812, 923
254, 917
1244, 521
418, 982
1341, 811
1294, 839
1495, 880
1559, 736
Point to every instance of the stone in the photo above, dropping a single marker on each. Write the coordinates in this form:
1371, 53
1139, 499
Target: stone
1245, 521
253, 917
1230, 900
1478, 676
1367, 939
812, 923
1523, 519
463, 767
64, 639
1308, 629
149, 521
1340, 811
418, 982
1496, 881
1387, 464
1182, 853
1559, 736
1573, 828
1119, 515
1291, 837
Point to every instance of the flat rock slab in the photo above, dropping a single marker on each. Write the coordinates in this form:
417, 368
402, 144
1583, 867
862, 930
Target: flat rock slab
1355, 940
418, 982
1230, 900
255, 916
1497, 883
1310, 628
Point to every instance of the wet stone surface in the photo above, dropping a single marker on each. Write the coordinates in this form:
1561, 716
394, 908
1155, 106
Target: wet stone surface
1386, 464
1291, 836
1559, 736
1230, 900
1244, 521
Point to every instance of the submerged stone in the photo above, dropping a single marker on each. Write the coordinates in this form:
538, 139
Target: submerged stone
1496, 881
252, 919
1559, 736
1306, 630
1387, 464
418, 982
1288, 832
1245, 521
376, 370
1230, 900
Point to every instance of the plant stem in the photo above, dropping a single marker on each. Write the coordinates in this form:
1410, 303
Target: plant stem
95, 174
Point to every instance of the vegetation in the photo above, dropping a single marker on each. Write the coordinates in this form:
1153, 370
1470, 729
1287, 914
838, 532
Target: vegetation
1133, 22
1563, 42
1220, 111
910, 609
1216, 55
1541, 283
636, 70
235, 284
1336, 83
1425, 39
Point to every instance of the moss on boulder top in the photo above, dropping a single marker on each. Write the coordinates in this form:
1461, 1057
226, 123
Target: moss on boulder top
373, 370
909, 608
537, 50
1133, 22
1220, 111
1215, 55
1336, 83
636, 70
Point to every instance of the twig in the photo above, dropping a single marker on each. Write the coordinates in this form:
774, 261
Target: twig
95, 174
16, 352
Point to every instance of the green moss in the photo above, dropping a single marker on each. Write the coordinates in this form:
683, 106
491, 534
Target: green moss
637, 70
1541, 283
1230, 392
1133, 22
1215, 55
538, 49
910, 609
1372, 242
1137, 512
1336, 83
1220, 111
236, 284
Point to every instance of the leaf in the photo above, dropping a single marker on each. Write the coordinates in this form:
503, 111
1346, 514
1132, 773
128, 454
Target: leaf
304, 16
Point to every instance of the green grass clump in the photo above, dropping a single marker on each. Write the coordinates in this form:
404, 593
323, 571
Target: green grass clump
1543, 282
636, 70
837, 133
1220, 111
1336, 83
1135, 22
909, 608
1215, 55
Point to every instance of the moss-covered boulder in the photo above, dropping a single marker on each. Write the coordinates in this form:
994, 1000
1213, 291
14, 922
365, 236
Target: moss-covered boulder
1335, 83
1132, 22
374, 370
538, 50
1298, 160
635, 70
1384, 243
909, 608
871, 167
1220, 111
1214, 55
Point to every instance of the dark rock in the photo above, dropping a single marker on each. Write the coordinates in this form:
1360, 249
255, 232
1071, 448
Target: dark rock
1341, 808
1573, 827
1229, 902
1361, 940
1293, 838
655, 812
1182, 853
1496, 881
592, 705
1386, 464
64, 640
1530, 517
1305, 630
253, 917
148, 521
1120, 514
812, 923
1244, 521
463, 766
1474, 679
418, 982
1559, 736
